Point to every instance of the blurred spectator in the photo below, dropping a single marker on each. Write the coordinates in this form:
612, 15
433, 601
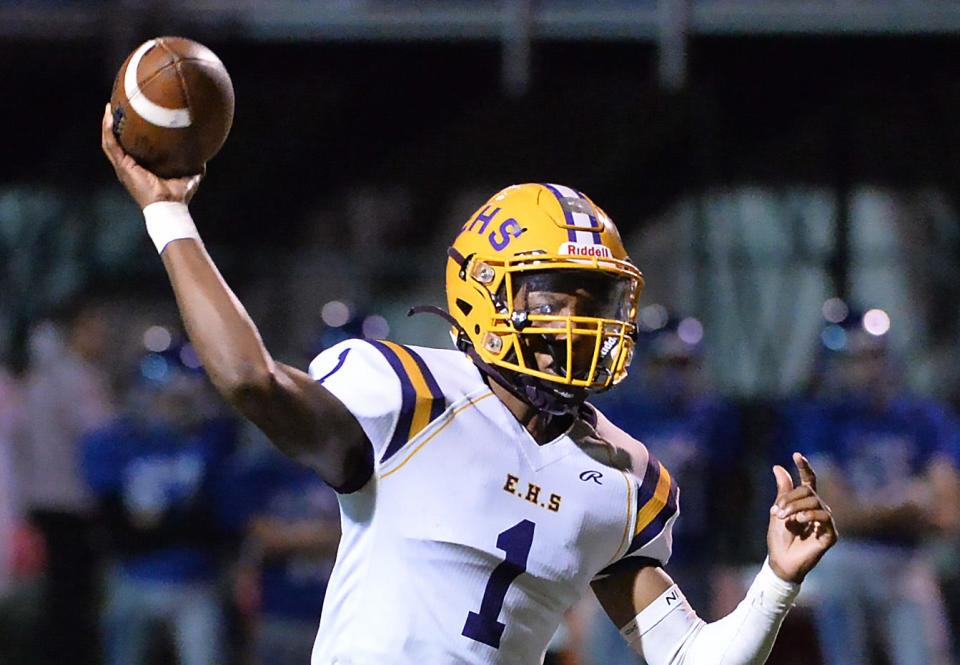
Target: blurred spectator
945, 549
21, 547
881, 457
154, 472
293, 529
10, 510
666, 404
67, 395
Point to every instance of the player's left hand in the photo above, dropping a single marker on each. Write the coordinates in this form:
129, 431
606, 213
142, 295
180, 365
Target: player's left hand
801, 525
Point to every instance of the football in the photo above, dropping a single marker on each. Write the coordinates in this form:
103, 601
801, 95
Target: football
172, 106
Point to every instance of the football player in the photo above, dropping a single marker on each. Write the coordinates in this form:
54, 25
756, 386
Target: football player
480, 494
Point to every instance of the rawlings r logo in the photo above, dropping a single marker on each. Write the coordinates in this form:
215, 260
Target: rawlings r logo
595, 476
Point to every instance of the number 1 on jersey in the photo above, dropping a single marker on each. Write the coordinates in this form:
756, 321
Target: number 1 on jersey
483, 626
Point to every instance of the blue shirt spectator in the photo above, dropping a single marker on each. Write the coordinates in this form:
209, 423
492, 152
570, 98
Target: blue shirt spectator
157, 493
156, 474
883, 465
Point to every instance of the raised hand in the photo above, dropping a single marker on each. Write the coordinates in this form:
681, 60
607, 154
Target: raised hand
801, 525
144, 186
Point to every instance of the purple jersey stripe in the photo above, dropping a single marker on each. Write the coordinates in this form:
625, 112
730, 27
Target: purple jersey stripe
649, 483
656, 525
437, 401
568, 216
407, 405
644, 493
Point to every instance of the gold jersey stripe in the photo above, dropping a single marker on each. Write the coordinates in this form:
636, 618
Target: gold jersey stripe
656, 503
424, 402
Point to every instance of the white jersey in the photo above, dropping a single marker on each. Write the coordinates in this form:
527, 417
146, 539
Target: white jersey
470, 541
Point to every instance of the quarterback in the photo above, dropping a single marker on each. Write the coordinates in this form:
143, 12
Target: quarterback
480, 494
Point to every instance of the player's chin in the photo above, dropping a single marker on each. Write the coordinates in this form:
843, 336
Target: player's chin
568, 393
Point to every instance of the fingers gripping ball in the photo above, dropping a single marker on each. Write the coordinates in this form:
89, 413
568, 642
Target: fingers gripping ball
172, 106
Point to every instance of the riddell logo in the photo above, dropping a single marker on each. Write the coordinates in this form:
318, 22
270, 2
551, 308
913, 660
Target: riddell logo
576, 249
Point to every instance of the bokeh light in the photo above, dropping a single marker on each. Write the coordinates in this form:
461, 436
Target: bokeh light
189, 357
375, 327
876, 322
690, 331
154, 367
335, 313
157, 339
653, 317
835, 310
834, 337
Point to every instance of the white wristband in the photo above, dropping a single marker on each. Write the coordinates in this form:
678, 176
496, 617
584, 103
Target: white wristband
671, 600
168, 221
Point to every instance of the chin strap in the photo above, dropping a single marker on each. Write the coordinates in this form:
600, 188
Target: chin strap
527, 389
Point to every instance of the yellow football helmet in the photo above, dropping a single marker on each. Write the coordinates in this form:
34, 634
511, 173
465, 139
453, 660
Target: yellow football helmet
544, 231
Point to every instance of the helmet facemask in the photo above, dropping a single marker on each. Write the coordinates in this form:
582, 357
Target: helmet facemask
570, 328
